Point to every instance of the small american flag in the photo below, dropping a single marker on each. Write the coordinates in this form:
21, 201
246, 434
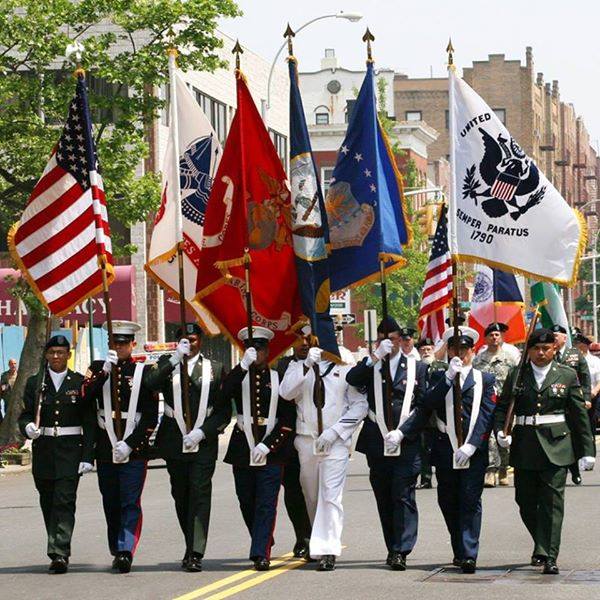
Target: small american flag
437, 291
64, 227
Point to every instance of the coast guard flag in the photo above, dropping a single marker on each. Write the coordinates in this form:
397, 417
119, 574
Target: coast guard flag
198, 156
504, 212
250, 208
364, 202
64, 228
497, 297
309, 224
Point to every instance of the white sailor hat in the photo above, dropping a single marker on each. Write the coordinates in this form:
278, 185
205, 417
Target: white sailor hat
259, 334
123, 331
467, 336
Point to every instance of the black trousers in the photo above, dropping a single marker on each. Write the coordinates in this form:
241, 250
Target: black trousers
295, 504
191, 488
57, 500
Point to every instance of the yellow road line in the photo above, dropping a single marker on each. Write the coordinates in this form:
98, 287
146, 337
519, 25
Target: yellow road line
211, 587
236, 589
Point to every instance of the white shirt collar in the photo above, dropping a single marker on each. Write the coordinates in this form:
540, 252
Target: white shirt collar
540, 373
57, 378
191, 363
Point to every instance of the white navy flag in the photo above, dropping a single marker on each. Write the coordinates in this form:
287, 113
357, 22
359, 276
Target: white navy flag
504, 212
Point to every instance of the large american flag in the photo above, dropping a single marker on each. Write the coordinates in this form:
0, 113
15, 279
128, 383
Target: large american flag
437, 291
64, 227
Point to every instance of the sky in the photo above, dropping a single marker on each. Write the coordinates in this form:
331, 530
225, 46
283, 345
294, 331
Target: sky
411, 37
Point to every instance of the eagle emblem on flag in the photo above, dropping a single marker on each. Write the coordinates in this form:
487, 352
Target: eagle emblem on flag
508, 174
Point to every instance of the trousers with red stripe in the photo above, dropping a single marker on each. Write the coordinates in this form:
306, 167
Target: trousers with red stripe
121, 486
257, 489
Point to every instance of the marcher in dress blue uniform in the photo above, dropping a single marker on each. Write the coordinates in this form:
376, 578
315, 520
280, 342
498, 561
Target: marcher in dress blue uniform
393, 478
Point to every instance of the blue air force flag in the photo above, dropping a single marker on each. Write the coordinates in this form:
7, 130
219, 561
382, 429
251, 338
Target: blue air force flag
364, 202
309, 224
504, 212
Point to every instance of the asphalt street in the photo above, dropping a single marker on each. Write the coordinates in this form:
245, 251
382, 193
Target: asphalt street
504, 554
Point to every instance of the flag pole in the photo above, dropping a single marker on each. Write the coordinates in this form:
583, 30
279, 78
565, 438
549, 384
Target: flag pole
456, 383
174, 124
41, 376
251, 369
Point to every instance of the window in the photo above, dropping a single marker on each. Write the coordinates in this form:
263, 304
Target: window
349, 108
413, 115
321, 115
326, 173
102, 99
216, 113
501, 114
280, 143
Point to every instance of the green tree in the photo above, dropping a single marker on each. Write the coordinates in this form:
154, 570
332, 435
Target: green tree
125, 57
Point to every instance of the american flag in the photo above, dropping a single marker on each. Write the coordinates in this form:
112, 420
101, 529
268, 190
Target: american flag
437, 291
64, 227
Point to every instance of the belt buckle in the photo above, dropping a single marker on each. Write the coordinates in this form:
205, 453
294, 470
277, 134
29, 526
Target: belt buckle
55, 431
534, 420
260, 421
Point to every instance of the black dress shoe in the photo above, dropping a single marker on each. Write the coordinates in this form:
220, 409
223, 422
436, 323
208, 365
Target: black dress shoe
388, 560
576, 479
457, 562
301, 550
469, 565
59, 565
425, 485
398, 561
550, 567
327, 563
537, 560
193, 563
261, 564
123, 562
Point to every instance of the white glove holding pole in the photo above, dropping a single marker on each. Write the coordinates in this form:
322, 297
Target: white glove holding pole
587, 463
111, 359
193, 438
455, 367
385, 347
260, 452
248, 359
183, 349
85, 467
463, 454
33, 432
504, 441
326, 440
121, 451
394, 437
314, 356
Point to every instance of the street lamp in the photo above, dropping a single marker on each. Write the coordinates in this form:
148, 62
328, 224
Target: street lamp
353, 17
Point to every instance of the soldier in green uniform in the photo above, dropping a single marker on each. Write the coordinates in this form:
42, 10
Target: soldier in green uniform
573, 358
191, 455
497, 361
61, 425
551, 431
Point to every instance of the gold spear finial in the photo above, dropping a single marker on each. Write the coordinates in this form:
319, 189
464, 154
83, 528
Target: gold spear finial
450, 51
237, 50
368, 37
289, 34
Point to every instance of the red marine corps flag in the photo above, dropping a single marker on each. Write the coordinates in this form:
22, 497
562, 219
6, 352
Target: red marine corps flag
63, 233
250, 209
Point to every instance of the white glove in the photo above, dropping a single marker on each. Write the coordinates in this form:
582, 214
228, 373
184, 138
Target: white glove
111, 359
84, 467
121, 451
33, 433
314, 356
587, 463
260, 452
455, 366
463, 454
504, 441
326, 440
248, 358
183, 349
385, 347
394, 437
193, 438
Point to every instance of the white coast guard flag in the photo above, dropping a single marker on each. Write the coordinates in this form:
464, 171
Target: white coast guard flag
503, 211
199, 155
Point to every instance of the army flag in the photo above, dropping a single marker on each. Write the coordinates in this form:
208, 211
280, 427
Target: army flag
497, 297
364, 202
552, 310
250, 208
310, 232
63, 233
191, 160
504, 212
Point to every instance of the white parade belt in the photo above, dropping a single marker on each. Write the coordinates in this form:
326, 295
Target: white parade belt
539, 419
60, 431
261, 421
169, 412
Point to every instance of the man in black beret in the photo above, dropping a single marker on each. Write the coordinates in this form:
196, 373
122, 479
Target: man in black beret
551, 431
61, 425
